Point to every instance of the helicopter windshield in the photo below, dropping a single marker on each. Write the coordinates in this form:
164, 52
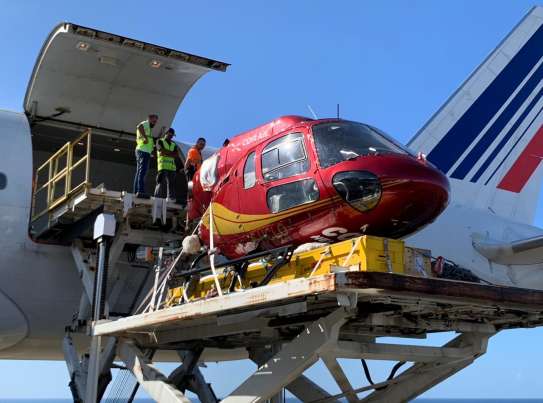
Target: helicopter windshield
342, 141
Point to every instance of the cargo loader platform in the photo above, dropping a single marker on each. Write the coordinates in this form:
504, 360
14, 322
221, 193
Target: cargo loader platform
285, 327
65, 202
85, 204
387, 305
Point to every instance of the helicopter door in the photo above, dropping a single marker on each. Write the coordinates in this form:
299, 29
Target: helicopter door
285, 166
250, 197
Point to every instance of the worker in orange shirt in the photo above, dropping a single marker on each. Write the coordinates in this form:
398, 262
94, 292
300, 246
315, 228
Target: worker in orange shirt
194, 158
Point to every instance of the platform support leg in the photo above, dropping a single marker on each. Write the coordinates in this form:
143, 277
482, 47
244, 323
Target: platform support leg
259, 356
79, 369
293, 359
78, 379
201, 388
85, 273
424, 375
104, 230
302, 387
91, 395
99, 367
154, 382
189, 377
340, 378
307, 391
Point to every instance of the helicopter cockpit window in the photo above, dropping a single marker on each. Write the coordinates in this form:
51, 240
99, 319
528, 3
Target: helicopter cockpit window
284, 157
341, 141
292, 194
249, 172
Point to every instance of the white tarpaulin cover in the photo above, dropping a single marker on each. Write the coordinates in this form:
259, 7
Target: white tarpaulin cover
208, 172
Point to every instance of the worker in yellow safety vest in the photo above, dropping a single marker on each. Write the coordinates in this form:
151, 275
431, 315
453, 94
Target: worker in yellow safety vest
144, 148
167, 152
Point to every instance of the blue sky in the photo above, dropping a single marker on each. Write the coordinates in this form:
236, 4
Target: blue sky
388, 63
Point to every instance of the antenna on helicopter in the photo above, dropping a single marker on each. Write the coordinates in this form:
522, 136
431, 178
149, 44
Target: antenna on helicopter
312, 111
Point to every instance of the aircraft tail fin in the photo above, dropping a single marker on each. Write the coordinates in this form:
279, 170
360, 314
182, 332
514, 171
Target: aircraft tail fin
488, 137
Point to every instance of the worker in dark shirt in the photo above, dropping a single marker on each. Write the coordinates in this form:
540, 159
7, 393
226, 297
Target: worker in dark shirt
167, 151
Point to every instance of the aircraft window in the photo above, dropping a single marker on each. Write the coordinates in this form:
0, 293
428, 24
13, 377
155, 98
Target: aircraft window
284, 157
341, 141
249, 172
3, 181
288, 195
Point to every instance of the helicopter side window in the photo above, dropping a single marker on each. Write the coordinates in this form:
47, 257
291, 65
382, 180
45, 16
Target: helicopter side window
284, 157
249, 172
292, 194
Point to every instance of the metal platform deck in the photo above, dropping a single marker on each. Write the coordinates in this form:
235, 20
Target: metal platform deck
86, 203
387, 305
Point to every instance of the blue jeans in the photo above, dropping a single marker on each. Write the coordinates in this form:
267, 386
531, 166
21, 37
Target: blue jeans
142, 165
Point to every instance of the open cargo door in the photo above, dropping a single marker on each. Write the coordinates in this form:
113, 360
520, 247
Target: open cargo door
92, 78
84, 78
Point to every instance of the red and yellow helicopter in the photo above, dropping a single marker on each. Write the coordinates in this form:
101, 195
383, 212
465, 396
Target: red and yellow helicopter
296, 180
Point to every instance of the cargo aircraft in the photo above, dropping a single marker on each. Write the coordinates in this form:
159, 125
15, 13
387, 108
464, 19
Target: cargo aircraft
330, 178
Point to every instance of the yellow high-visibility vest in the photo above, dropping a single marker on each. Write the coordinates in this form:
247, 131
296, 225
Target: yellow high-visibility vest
140, 145
166, 163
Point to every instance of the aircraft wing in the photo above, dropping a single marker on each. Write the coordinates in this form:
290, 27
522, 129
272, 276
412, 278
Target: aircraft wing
91, 78
527, 251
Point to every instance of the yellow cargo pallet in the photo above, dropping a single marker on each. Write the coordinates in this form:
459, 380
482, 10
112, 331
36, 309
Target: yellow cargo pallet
365, 253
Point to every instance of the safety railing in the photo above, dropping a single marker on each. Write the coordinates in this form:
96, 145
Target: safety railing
65, 173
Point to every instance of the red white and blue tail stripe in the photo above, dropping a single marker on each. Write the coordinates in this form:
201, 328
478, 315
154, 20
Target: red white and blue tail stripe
488, 137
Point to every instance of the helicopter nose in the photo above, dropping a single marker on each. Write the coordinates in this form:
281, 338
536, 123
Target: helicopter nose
361, 189
391, 195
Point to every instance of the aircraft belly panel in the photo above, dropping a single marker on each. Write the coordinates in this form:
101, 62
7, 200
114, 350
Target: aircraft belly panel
13, 323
